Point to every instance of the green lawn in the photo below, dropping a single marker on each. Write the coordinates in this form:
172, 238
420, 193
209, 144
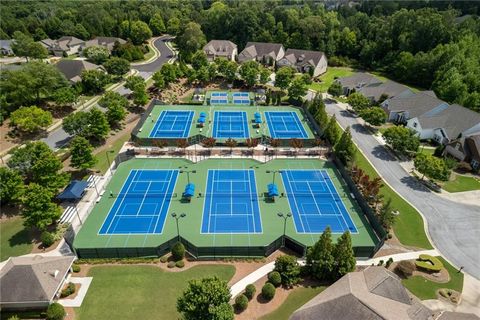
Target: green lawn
15, 240
295, 300
408, 226
140, 292
460, 183
428, 151
328, 78
426, 289
102, 161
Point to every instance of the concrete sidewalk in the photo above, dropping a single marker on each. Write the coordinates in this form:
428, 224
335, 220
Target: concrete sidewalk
77, 301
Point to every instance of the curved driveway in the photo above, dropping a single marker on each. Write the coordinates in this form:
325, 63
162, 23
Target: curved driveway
454, 227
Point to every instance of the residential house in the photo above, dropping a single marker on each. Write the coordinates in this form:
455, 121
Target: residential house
467, 149
32, 282
107, 42
266, 53
314, 62
401, 108
65, 46
374, 293
6, 48
220, 48
357, 81
389, 89
445, 124
72, 69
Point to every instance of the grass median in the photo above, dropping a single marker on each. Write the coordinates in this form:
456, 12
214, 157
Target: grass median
15, 239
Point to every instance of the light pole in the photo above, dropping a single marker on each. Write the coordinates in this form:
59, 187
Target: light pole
177, 217
285, 217
188, 173
95, 185
108, 158
274, 172
78, 214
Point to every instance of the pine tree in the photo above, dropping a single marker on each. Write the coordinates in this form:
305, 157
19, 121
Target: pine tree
320, 260
343, 255
345, 149
332, 131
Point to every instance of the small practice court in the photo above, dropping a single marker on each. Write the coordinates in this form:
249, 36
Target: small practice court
241, 98
315, 202
219, 97
142, 204
285, 125
231, 203
230, 124
172, 124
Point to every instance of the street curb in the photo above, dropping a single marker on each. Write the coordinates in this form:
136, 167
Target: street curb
154, 57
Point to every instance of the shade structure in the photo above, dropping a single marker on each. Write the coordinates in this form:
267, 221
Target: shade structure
272, 190
258, 120
202, 120
189, 190
74, 191
203, 114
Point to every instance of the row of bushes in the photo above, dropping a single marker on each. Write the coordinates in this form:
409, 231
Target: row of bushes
117, 260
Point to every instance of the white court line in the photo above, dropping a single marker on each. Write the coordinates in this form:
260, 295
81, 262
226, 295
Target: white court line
295, 201
144, 196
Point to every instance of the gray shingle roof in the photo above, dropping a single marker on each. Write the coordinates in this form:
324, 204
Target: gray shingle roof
374, 293
449, 315
300, 57
416, 104
454, 120
358, 79
220, 47
260, 49
72, 69
390, 88
33, 278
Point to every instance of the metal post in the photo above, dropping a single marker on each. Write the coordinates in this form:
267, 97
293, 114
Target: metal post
95, 186
174, 215
285, 217
108, 159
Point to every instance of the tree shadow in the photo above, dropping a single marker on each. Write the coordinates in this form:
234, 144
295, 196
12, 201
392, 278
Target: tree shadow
357, 127
414, 184
382, 153
348, 114
22, 237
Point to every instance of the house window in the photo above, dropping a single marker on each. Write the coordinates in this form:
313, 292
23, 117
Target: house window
414, 124
475, 164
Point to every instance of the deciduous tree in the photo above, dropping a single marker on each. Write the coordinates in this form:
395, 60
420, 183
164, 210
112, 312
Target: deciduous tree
96, 54
358, 101
289, 270
374, 116
30, 119
283, 77
402, 139
81, 153
117, 66
38, 210
139, 32
11, 186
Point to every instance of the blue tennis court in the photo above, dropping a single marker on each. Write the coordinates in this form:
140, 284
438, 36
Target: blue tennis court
285, 125
219, 97
230, 124
172, 124
142, 204
219, 94
231, 203
241, 98
315, 202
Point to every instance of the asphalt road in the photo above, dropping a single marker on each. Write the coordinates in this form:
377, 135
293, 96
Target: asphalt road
453, 227
58, 138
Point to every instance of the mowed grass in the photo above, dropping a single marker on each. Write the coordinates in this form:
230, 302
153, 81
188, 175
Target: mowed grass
426, 289
408, 225
328, 77
140, 292
459, 183
295, 300
15, 240
102, 161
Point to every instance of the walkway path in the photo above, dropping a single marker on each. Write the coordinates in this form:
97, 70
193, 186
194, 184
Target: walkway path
453, 227
77, 301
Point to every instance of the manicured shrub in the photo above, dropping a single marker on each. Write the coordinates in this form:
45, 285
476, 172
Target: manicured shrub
55, 311
289, 270
163, 259
389, 262
429, 263
406, 267
171, 264
268, 291
241, 303
250, 291
178, 251
180, 264
14, 317
47, 239
76, 268
380, 263
70, 289
275, 278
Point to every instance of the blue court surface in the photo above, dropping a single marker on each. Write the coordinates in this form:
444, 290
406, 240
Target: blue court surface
142, 205
315, 202
219, 97
172, 124
241, 98
285, 125
231, 203
230, 124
